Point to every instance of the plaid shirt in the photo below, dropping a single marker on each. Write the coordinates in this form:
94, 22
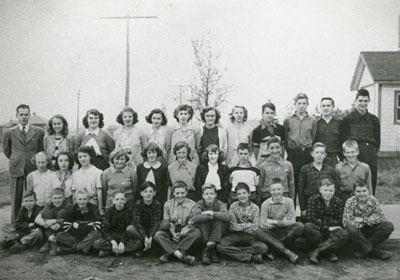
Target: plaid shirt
147, 218
116, 221
329, 134
361, 128
244, 219
325, 217
310, 181
370, 212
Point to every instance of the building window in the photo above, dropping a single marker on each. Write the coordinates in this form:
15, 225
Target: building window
397, 107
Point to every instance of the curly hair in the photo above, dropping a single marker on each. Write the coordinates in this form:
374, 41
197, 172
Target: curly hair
181, 144
96, 113
245, 113
86, 150
183, 107
208, 109
50, 129
151, 147
157, 111
39, 154
124, 110
215, 149
117, 154
70, 160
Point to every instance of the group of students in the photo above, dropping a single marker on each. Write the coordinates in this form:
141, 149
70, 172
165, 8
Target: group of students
130, 189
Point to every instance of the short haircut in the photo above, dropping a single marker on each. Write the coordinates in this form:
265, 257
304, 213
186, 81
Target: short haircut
182, 144
214, 149
276, 180
360, 184
208, 109
23, 106
118, 192
82, 191
96, 113
362, 92
268, 105
29, 193
39, 154
273, 140
70, 160
328, 98
86, 150
242, 186
177, 185
157, 111
208, 186
127, 110
350, 144
57, 191
151, 147
243, 146
50, 129
318, 145
183, 107
300, 96
146, 185
326, 182
119, 152
245, 113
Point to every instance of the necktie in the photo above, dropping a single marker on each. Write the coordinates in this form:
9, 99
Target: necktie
24, 132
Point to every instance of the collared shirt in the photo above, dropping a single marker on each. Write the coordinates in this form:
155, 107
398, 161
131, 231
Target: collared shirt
300, 133
131, 139
116, 221
212, 176
113, 180
236, 134
370, 212
277, 210
325, 216
244, 219
22, 126
23, 219
329, 134
310, 180
220, 211
348, 176
89, 178
362, 128
189, 135
276, 169
261, 134
92, 142
249, 175
185, 172
56, 181
147, 218
178, 213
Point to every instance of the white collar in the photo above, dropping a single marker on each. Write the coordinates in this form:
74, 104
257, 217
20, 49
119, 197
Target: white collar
212, 167
154, 166
96, 131
26, 127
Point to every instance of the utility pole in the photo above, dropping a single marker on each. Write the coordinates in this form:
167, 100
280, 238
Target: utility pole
181, 86
128, 17
77, 113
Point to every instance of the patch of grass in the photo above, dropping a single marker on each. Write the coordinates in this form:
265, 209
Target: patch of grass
4, 189
388, 185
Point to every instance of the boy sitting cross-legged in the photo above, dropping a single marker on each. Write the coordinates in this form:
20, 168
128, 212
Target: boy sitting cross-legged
115, 238
25, 232
212, 217
364, 220
324, 227
147, 215
81, 226
244, 216
51, 220
278, 225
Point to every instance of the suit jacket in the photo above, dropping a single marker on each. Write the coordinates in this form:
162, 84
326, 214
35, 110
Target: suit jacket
20, 151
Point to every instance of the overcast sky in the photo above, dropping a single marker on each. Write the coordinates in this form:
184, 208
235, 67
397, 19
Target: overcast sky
272, 49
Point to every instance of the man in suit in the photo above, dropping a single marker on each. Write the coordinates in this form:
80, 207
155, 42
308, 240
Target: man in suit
20, 144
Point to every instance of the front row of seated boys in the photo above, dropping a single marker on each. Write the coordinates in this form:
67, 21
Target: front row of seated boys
243, 232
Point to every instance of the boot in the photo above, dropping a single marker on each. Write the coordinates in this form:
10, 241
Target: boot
17, 248
214, 255
188, 259
65, 250
205, 258
45, 248
293, 258
380, 254
53, 249
316, 252
331, 257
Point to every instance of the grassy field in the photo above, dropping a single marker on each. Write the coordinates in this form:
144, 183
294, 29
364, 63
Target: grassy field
388, 189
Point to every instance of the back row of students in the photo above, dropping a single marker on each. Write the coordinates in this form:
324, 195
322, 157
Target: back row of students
243, 233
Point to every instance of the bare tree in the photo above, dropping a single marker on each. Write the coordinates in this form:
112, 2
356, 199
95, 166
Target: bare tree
209, 88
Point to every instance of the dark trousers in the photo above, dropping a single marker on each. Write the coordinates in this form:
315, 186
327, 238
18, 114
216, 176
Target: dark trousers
27, 238
367, 237
17, 186
272, 237
69, 240
131, 244
241, 246
212, 231
164, 239
328, 240
298, 158
369, 155
132, 231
